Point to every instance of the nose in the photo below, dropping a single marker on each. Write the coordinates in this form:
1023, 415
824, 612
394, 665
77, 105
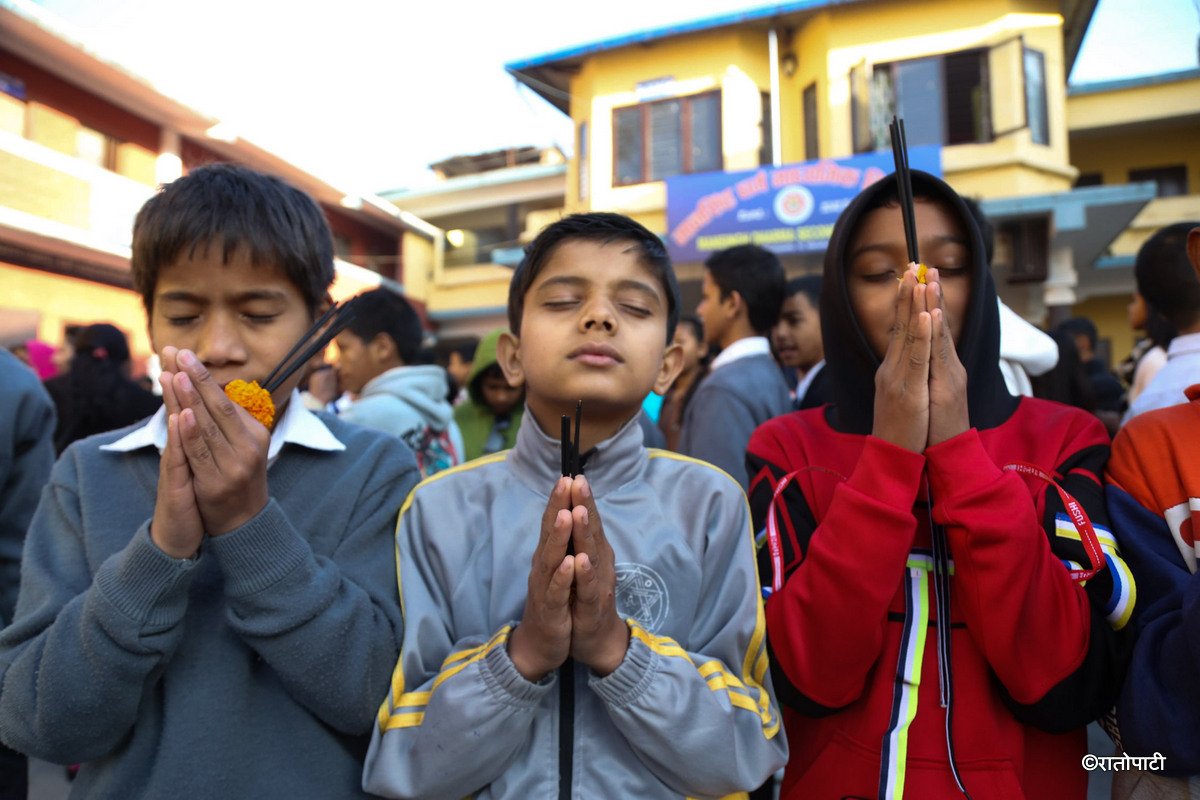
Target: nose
598, 314
221, 342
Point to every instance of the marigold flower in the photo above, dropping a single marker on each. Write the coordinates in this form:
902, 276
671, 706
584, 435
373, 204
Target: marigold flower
921, 270
254, 399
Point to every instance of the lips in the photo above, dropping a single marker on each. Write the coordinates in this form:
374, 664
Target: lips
596, 354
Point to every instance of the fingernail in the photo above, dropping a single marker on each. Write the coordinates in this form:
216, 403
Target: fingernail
585, 516
585, 490
185, 382
187, 358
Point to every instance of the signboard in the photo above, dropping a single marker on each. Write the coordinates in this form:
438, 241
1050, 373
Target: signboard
786, 209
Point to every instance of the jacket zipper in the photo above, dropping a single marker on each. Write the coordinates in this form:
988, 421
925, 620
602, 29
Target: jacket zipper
566, 727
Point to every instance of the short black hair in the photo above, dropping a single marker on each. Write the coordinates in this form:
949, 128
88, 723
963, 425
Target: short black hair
1080, 326
385, 311
1165, 277
754, 273
230, 206
807, 285
696, 324
601, 227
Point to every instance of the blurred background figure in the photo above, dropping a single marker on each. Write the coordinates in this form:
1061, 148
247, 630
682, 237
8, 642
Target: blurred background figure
457, 355
1169, 285
1149, 353
38, 356
1065, 382
26, 456
796, 339
491, 415
1106, 389
96, 393
321, 389
689, 334
379, 362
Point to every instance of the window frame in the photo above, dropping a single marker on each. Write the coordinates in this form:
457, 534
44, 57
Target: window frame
685, 127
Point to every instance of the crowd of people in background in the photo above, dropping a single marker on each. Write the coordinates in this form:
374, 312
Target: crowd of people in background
895, 432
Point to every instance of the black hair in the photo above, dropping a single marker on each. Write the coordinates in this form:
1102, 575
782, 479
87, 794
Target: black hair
807, 285
1080, 326
1165, 277
603, 228
1066, 382
95, 394
696, 324
754, 273
384, 311
230, 207
1157, 328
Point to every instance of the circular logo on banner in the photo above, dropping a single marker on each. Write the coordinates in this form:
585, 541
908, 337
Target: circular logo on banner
794, 204
642, 594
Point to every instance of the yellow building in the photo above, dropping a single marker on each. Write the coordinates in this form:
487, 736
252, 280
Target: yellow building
490, 205
814, 80
84, 143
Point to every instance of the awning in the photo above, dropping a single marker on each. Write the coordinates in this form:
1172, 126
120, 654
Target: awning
1087, 220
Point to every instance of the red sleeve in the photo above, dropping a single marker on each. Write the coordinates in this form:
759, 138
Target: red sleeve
1044, 637
826, 625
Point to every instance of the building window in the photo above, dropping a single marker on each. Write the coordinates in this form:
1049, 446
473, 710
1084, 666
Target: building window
812, 150
1036, 113
667, 137
1086, 179
1170, 181
95, 148
943, 100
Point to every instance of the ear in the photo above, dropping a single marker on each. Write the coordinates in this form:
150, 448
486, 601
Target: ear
736, 304
1193, 249
668, 371
383, 349
508, 356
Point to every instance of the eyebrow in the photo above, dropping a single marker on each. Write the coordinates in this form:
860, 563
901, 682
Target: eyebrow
249, 296
888, 248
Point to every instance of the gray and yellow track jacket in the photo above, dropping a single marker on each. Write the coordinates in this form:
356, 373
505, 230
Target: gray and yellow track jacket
690, 711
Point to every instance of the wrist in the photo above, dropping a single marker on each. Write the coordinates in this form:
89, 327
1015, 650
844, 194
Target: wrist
520, 652
610, 656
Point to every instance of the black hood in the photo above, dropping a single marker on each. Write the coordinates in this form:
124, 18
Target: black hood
849, 360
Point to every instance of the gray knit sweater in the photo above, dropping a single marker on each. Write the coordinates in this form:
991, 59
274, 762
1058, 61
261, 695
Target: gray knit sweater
253, 671
728, 405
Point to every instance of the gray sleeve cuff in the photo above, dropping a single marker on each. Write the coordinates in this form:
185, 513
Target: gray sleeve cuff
508, 685
144, 583
631, 677
259, 553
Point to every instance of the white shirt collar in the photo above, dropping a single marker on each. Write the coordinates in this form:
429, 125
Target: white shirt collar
807, 380
297, 426
742, 348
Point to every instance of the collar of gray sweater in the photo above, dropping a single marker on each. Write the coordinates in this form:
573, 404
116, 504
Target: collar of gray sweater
536, 459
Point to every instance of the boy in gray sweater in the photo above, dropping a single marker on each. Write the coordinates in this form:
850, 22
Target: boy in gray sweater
634, 664
207, 608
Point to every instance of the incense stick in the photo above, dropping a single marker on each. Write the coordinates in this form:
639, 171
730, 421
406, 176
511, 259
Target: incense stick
338, 318
904, 187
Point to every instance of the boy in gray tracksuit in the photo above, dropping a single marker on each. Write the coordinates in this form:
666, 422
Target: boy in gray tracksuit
633, 664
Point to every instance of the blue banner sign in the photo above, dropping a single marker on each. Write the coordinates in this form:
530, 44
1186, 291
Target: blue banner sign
787, 209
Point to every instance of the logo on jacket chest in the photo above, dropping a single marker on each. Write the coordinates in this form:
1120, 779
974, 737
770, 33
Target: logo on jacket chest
642, 594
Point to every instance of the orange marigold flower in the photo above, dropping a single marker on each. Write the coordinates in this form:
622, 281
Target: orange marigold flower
921, 270
254, 399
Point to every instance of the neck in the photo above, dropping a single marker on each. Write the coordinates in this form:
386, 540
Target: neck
738, 331
597, 422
